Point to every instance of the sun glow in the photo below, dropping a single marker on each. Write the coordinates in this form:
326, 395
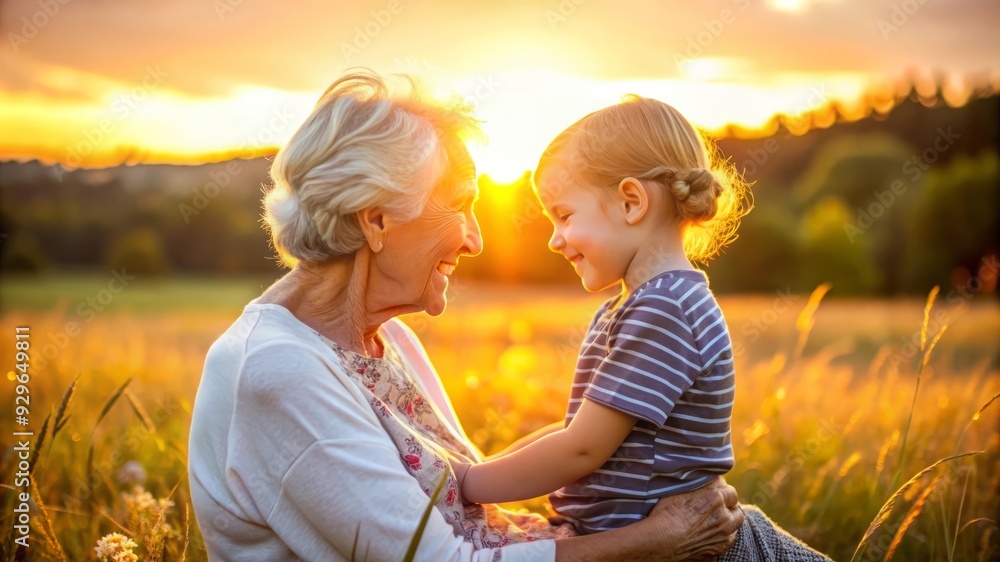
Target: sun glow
522, 119
522, 111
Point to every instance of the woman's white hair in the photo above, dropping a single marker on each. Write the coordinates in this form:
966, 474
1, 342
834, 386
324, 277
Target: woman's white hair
362, 146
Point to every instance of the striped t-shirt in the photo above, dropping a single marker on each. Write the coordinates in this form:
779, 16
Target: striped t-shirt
663, 356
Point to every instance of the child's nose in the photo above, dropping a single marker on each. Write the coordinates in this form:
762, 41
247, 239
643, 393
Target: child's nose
556, 242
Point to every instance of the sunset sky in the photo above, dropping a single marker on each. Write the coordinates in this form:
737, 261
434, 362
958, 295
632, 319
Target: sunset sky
97, 82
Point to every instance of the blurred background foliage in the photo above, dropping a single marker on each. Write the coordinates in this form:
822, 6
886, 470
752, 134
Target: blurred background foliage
825, 211
888, 205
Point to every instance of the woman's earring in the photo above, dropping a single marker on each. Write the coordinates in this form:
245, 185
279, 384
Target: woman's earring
379, 244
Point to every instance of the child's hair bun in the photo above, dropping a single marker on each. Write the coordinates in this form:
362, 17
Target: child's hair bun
696, 192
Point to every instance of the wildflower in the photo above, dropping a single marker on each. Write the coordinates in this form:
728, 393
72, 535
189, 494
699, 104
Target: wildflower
131, 472
141, 500
116, 548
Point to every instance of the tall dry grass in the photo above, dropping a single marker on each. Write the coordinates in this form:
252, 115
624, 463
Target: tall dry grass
825, 403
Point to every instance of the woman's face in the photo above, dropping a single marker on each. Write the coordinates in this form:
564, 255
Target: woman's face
418, 256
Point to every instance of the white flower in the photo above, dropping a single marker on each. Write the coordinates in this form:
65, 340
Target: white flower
116, 547
141, 500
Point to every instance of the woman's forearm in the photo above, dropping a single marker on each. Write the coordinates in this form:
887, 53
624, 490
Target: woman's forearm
696, 525
619, 544
642, 541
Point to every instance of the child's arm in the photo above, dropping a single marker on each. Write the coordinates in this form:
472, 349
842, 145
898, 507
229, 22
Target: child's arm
529, 439
553, 461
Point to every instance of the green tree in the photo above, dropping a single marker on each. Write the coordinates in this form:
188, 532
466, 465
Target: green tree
140, 252
21, 253
854, 168
764, 257
954, 223
828, 255
877, 177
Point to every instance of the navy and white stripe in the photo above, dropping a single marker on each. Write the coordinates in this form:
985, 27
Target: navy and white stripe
665, 357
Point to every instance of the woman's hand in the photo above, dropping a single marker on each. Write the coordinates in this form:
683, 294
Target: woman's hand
696, 525
701, 524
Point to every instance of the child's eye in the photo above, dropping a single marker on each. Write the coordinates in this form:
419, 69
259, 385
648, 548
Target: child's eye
565, 216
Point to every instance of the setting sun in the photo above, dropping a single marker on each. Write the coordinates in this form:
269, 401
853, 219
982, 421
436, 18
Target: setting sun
720, 67
522, 111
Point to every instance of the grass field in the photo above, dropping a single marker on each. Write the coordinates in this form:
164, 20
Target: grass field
819, 428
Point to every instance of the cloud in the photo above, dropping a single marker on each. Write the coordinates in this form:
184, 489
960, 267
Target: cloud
61, 73
303, 46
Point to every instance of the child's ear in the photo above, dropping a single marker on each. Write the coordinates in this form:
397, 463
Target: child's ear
634, 199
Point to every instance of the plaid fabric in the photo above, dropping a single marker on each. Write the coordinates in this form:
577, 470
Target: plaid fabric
760, 540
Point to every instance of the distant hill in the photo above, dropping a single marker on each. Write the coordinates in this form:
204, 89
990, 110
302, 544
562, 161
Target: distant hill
203, 219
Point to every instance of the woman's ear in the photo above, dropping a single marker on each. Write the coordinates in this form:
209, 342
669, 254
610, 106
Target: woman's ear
372, 221
634, 198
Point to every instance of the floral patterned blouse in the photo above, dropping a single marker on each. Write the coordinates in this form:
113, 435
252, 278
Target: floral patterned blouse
425, 441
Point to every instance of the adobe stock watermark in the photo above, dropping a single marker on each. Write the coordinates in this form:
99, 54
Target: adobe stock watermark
86, 311
225, 7
563, 181
281, 454
755, 327
757, 158
711, 29
795, 460
900, 16
32, 25
131, 440
365, 33
959, 298
474, 91
421, 322
562, 11
122, 108
913, 169
220, 180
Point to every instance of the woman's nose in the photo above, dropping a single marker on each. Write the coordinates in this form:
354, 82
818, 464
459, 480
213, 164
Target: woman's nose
473, 238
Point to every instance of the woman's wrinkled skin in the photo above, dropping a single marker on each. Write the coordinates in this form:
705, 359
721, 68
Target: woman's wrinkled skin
700, 524
715, 530
412, 263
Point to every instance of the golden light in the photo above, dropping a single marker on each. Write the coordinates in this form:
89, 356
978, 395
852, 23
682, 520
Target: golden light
521, 120
713, 68
108, 122
788, 5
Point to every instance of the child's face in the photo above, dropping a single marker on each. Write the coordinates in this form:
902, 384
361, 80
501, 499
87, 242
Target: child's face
587, 228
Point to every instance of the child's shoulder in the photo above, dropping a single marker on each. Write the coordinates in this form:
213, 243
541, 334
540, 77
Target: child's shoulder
675, 292
674, 287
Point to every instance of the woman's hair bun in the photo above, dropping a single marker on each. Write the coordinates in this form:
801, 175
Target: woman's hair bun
696, 192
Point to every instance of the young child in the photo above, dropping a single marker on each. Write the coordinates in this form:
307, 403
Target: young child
634, 195
649, 411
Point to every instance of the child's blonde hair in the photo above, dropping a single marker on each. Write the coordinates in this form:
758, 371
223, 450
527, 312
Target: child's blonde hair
649, 140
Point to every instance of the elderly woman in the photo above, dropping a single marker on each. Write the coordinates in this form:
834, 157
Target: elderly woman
321, 429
